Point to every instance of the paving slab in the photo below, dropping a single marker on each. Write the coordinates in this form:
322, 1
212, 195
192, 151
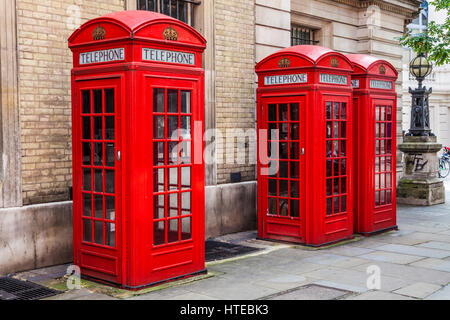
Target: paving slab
409, 273
311, 292
391, 257
378, 295
283, 282
355, 278
349, 251
334, 260
80, 294
423, 252
436, 245
418, 290
443, 294
341, 286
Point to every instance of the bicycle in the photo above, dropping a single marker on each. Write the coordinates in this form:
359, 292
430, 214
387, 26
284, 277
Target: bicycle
444, 163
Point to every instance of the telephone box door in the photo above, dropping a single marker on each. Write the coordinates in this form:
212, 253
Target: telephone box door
385, 161
282, 178
97, 178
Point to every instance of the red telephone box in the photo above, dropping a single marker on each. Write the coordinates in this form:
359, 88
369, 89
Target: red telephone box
138, 194
305, 186
374, 111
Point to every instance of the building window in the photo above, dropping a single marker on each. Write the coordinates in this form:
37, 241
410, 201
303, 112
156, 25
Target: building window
302, 35
420, 24
182, 10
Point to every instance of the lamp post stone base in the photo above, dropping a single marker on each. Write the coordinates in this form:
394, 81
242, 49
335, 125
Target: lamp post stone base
420, 184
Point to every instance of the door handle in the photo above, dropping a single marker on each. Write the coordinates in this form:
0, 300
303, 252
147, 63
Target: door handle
303, 151
118, 155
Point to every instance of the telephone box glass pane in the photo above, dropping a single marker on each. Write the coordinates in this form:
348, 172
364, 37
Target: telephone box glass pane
110, 234
98, 103
109, 155
158, 100
110, 207
185, 177
172, 101
109, 100
173, 204
98, 154
159, 236
158, 127
98, 180
87, 230
86, 153
172, 234
186, 233
98, 206
87, 205
86, 101
87, 181
109, 181
98, 128
185, 102
87, 128
98, 232
109, 128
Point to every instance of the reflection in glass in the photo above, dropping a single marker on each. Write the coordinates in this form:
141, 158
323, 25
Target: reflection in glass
172, 101
186, 233
328, 110
87, 230
336, 205
186, 201
283, 112
185, 102
109, 155
110, 234
283, 185
294, 111
329, 134
185, 127
158, 100
172, 234
173, 204
109, 128
98, 180
98, 101
329, 187
329, 206
336, 110
343, 110
343, 203
172, 152
86, 127
272, 112
98, 154
294, 151
284, 169
158, 206
110, 208
98, 232
172, 127
87, 205
294, 131
109, 100
86, 153
336, 129
109, 181
284, 207
295, 170
98, 128
173, 178
185, 177
87, 182
158, 153
158, 180
98, 206
273, 206
158, 233
158, 127
295, 212
284, 150
86, 101
294, 189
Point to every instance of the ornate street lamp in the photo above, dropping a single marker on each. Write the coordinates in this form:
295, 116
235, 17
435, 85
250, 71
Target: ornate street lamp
420, 68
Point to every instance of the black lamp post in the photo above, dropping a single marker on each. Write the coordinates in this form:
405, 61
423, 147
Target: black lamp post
420, 113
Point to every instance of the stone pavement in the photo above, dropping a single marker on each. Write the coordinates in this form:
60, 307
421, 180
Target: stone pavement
414, 263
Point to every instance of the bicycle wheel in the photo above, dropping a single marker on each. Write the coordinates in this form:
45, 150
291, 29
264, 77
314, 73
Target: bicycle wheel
444, 168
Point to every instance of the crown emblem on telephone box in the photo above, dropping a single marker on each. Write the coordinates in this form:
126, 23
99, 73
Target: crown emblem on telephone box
284, 63
334, 63
99, 33
170, 33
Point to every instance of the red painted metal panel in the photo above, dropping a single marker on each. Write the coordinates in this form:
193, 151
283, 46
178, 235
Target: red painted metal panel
375, 110
138, 206
317, 80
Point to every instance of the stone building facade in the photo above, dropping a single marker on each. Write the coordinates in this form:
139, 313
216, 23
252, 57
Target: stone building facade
35, 132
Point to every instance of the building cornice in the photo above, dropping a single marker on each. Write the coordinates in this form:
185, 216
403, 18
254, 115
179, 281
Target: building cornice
407, 8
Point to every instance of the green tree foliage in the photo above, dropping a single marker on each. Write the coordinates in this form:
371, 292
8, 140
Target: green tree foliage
435, 41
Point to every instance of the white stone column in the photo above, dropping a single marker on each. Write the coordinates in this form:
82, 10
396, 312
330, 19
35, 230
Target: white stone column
10, 150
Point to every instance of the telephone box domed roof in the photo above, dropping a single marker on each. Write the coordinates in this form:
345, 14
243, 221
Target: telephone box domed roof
135, 24
367, 64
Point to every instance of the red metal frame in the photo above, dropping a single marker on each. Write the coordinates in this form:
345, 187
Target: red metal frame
312, 92
153, 242
375, 110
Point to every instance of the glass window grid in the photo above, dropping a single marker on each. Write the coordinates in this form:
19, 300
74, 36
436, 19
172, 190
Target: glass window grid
383, 160
291, 158
181, 189
336, 179
182, 10
92, 167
